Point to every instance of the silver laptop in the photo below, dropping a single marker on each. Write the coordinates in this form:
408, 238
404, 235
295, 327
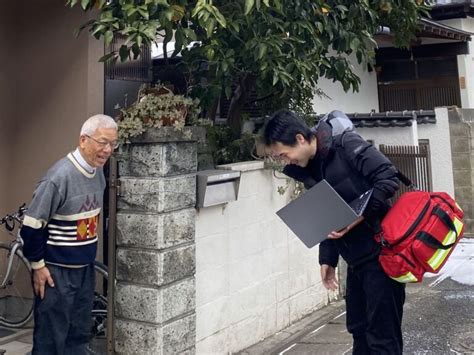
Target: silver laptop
319, 211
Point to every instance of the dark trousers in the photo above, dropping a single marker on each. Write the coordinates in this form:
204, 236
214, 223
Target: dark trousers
374, 304
63, 319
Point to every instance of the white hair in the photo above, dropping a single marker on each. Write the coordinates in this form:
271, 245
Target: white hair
95, 122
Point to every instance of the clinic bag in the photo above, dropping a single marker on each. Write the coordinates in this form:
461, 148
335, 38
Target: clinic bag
419, 233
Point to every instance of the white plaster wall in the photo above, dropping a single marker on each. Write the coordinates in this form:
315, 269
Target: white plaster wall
390, 135
465, 62
253, 276
365, 100
440, 146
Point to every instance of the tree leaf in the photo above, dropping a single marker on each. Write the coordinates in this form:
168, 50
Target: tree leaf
136, 51
275, 78
108, 37
218, 16
108, 57
124, 53
210, 27
85, 4
262, 50
249, 4
143, 11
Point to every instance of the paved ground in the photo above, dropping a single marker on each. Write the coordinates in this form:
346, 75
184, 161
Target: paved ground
438, 318
16, 342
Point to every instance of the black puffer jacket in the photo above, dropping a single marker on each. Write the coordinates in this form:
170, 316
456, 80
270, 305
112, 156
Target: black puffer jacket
351, 166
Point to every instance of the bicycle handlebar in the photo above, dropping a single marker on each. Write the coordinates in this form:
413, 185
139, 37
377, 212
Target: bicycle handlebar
9, 220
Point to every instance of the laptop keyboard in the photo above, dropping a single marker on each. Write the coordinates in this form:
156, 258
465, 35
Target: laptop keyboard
359, 204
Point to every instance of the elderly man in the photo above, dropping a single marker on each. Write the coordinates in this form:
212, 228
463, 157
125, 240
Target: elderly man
60, 236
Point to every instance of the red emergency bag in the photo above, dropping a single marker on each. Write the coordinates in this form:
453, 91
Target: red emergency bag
419, 233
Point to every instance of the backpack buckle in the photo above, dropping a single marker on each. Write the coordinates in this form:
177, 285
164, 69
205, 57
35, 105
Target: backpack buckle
379, 237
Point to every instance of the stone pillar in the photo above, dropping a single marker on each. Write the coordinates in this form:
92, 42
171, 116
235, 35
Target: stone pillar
461, 129
155, 260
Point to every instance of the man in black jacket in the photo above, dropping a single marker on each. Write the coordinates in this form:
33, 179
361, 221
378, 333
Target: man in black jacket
374, 302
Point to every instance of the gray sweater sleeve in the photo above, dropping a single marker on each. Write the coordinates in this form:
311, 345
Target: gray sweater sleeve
45, 202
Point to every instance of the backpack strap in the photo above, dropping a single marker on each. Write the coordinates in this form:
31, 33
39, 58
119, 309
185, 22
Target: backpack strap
405, 180
431, 241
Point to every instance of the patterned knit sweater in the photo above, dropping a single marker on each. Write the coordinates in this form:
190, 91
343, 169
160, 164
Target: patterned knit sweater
60, 226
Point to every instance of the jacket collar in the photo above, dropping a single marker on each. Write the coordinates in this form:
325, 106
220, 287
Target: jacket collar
324, 140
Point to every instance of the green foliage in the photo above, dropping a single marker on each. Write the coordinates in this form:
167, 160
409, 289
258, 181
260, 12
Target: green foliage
283, 46
155, 108
280, 49
228, 150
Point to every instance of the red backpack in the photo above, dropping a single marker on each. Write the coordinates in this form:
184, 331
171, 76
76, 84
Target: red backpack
419, 233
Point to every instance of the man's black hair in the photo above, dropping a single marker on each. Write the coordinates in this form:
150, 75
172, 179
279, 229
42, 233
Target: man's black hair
283, 127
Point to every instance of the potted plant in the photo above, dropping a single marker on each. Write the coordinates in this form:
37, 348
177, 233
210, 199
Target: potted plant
156, 107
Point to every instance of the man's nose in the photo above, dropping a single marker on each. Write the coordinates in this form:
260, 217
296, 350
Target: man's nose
108, 148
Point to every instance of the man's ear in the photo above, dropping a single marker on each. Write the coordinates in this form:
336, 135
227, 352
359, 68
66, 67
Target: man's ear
300, 138
82, 140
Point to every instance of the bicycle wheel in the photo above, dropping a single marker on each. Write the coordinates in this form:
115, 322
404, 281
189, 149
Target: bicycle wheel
16, 296
98, 343
100, 292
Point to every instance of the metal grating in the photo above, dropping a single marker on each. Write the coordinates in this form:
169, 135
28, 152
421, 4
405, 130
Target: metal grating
419, 94
134, 70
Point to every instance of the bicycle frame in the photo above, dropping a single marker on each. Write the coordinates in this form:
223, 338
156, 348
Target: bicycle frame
14, 247
9, 223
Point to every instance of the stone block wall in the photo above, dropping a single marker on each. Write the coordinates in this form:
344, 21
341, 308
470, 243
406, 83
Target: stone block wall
155, 259
461, 127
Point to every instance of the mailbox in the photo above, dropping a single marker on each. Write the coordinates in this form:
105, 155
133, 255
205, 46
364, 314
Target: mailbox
215, 187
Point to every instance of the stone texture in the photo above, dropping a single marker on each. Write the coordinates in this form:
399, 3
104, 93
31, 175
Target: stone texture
157, 195
461, 161
463, 193
171, 134
155, 305
156, 231
460, 145
140, 266
179, 263
467, 207
137, 338
462, 178
155, 259
150, 267
469, 227
159, 159
459, 129
180, 336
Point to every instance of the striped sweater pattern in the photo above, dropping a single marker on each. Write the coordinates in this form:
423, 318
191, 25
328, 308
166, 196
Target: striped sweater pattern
60, 226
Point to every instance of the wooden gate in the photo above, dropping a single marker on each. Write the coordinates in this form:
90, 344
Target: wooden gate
414, 162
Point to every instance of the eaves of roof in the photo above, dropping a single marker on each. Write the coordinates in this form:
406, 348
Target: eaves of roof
432, 28
391, 118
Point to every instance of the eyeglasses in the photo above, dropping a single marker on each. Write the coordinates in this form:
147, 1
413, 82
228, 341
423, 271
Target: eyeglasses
113, 145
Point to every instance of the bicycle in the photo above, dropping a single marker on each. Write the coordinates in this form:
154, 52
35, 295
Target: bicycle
16, 298
16, 294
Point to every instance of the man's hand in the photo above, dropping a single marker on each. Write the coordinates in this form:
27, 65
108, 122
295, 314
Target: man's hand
342, 232
40, 277
328, 276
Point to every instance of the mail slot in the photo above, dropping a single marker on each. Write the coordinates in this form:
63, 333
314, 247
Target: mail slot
215, 187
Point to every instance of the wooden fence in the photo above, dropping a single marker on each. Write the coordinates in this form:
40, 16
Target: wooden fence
414, 162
